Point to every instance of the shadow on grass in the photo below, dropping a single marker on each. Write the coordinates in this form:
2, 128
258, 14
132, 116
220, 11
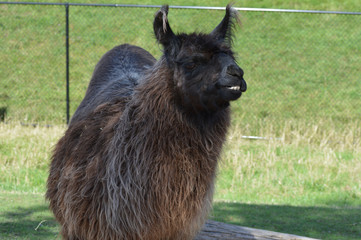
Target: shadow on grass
20, 216
316, 222
33, 222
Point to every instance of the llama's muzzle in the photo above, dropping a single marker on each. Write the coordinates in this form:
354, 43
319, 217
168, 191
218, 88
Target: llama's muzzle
235, 74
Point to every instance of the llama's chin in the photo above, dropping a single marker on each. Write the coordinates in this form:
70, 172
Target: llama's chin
230, 93
231, 89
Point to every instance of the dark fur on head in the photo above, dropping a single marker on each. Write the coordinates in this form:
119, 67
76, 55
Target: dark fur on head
141, 164
203, 64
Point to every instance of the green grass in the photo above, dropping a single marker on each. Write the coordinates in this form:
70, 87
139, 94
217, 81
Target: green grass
304, 183
312, 221
24, 156
304, 168
296, 65
26, 216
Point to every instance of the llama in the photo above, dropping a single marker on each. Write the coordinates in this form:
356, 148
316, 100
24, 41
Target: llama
139, 158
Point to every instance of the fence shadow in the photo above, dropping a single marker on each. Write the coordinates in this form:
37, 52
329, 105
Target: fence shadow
315, 222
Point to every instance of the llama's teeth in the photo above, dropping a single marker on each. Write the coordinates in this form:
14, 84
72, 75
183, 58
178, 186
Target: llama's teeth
236, 88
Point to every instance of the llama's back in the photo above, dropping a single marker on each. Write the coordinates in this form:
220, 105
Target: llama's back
114, 77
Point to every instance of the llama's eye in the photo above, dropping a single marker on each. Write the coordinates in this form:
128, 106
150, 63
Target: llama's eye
190, 65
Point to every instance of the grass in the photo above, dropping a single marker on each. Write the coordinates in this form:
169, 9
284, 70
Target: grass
296, 65
24, 156
304, 183
26, 216
306, 167
313, 221
303, 96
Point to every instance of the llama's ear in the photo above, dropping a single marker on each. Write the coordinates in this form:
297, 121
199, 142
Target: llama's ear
224, 31
162, 30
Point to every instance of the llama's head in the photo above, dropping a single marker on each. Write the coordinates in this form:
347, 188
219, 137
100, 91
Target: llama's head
206, 75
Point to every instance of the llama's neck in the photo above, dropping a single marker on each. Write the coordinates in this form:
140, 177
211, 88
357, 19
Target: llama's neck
158, 126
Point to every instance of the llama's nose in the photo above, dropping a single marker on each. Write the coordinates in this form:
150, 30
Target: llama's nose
235, 71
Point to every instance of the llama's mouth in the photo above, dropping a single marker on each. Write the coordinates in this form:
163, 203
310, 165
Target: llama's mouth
234, 88
230, 91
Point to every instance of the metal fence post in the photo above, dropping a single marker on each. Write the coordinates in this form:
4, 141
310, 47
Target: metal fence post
67, 60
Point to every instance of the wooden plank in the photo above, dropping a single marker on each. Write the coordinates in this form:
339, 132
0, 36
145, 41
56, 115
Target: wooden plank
216, 230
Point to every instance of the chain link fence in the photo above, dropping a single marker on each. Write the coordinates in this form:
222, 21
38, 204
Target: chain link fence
297, 65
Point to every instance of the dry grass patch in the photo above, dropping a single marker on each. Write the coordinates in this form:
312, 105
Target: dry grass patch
302, 163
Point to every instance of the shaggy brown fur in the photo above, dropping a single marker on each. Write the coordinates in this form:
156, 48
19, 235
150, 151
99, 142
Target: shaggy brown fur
142, 166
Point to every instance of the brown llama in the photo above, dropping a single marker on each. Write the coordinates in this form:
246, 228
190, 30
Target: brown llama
139, 158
